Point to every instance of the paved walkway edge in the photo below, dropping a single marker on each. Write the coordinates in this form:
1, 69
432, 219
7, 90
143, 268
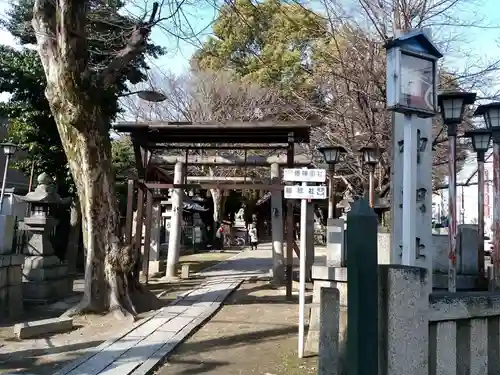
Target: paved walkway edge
77, 362
151, 364
150, 360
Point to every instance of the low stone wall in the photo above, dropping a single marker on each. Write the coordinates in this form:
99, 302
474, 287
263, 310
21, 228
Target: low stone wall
11, 289
422, 334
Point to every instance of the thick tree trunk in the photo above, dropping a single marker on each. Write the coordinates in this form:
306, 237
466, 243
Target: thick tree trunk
109, 263
74, 236
217, 200
75, 93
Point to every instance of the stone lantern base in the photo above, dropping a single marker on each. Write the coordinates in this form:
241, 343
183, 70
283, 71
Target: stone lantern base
45, 278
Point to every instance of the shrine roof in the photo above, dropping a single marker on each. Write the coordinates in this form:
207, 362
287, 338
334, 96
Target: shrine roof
150, 134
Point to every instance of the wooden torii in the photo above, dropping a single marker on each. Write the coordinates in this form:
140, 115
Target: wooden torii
150, 137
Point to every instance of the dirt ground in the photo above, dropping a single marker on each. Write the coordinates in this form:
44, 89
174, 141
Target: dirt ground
45, 355
254, 333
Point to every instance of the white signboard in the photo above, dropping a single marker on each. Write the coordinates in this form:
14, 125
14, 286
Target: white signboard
305, 192
304, 175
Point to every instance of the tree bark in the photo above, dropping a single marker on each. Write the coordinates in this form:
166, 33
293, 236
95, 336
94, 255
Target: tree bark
217, 200
74, 236
74, 96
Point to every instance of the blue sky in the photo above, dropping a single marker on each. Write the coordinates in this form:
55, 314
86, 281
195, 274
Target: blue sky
482, 42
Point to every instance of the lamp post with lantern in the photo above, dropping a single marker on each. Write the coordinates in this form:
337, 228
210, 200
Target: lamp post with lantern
481, 139
332, 156
370, 159
412, 91
452, 106
491, 115
8, 149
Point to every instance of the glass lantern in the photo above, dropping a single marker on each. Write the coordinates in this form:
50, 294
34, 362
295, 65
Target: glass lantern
332, 154
491, 115
412, 74
9, 148
481, 139
370, 155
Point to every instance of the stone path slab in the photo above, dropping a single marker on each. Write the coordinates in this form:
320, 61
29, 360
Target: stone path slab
141, 349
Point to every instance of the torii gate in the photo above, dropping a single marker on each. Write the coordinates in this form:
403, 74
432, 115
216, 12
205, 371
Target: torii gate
148, 138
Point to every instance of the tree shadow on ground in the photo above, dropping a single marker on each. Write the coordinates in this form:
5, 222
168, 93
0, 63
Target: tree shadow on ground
29, 359
196, 367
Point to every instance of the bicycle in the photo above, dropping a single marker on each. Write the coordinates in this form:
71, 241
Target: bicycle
237, 242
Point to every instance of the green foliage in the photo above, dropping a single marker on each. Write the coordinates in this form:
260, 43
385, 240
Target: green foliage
124, 164
268, 42
21, 74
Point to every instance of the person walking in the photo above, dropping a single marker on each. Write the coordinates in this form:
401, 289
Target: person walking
252, 232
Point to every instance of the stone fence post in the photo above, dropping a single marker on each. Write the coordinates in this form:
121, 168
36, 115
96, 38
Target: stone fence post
404, 323
329, 353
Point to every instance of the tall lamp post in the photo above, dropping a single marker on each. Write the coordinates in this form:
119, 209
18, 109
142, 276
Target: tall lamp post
452, 106
8, 149
480, 143
332, 156
370, 159
491, 115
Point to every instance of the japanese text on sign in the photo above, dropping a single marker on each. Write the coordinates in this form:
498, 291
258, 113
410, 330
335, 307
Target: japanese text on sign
304, 175
305, 192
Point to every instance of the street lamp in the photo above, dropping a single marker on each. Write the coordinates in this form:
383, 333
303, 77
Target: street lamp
8, 149
332, 156
370, 158
151, 96
491, 115
452, 105
480, 143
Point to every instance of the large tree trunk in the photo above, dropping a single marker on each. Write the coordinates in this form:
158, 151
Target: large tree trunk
75, 93
217, 200
74, 236
109, 263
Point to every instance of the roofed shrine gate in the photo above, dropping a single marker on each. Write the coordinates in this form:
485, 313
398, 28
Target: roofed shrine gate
151, 140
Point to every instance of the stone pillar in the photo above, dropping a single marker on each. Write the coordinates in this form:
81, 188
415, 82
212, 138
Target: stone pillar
404, 325
174, 241
277, 226
423, 214
11, 288
156, 265
335, 256
45, 277
7, 225
329, 355
309, 239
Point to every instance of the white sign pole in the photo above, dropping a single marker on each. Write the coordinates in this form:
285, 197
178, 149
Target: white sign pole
409, 193
302, 272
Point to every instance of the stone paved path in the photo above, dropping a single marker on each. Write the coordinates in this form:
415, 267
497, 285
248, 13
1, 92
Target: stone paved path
140, 350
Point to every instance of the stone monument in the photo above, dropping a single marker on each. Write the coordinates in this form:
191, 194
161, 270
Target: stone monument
45, 276
239, 218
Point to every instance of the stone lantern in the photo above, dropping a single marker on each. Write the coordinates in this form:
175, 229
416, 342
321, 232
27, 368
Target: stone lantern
45, 276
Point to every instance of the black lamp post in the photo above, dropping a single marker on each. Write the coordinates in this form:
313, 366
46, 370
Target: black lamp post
481, 139
332, 155
8, 149
452, 105
370, 159
491, 115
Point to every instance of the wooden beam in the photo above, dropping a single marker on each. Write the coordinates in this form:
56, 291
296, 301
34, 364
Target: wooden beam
154, 185
227, 178
147, 234
129, 218
252, 160
290, 238
153, 146
138, 227
141, 156
236, 125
